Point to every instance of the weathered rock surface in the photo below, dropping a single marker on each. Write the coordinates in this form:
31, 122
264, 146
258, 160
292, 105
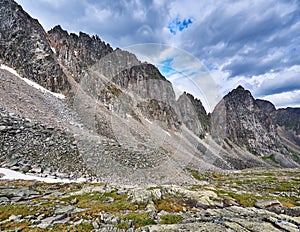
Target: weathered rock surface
239, 118
76, 53
232, 202
121, 115
289, 118
193, 114
24, 47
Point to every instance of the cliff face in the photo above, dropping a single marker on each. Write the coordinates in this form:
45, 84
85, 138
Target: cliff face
289, 118
243, 120
193, 114
76, 52
24, 47
266, 106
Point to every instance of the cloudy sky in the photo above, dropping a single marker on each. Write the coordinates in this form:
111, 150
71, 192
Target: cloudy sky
205, 47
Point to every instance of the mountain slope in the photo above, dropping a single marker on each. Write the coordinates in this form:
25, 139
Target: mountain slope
24, 47
121, 117
250, 124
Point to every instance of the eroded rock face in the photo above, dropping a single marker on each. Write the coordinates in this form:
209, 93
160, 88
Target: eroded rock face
77, 52
124, 85
25, 48
193, 114
266, 106
289, 118
241, 119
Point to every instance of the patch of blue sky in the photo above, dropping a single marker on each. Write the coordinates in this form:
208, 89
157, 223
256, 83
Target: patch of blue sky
167, 68
176, 25
211, 67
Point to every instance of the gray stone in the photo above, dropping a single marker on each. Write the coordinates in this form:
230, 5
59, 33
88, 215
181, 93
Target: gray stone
74, 201
26, 168
51, 220
12, 162
3, 128
95, 225
268, 203
15, 217
41, 217
4, 200
64, 209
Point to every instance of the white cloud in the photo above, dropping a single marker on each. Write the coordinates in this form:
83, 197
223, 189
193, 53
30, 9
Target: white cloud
282, 100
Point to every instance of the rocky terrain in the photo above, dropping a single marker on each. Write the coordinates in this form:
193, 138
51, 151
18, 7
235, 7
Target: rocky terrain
120, 121
21, 145
254, 125
249, 200
120, 116
152, 162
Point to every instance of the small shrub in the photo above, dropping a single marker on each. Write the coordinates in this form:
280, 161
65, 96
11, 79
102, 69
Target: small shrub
170, 219
270, 157
139, 219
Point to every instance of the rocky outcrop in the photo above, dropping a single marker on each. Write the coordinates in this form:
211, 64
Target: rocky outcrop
193, 114
160, 112
265, 106
24, 47
222, 203
288, 118
240, 118
147, 82
125, 85
77, 53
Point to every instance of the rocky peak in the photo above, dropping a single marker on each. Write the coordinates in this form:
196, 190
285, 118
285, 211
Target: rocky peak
25, 48
240, 88
240, 118
265, 105
77, 52
240, 97
146, 80
193, 114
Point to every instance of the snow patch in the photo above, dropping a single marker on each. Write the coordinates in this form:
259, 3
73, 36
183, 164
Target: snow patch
167, 133
13, 175
147, 120
53, 50
11, 70
32, 83
42, 89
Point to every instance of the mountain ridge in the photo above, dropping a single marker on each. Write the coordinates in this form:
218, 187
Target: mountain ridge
123, 115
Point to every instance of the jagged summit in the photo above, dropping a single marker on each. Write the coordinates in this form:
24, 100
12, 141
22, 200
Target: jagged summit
193, 114
244, 122
240, 88
76, 52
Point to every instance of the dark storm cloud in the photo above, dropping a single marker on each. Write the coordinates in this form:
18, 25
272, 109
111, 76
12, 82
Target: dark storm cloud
284, 82
248, 37
237, 40
119, 22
